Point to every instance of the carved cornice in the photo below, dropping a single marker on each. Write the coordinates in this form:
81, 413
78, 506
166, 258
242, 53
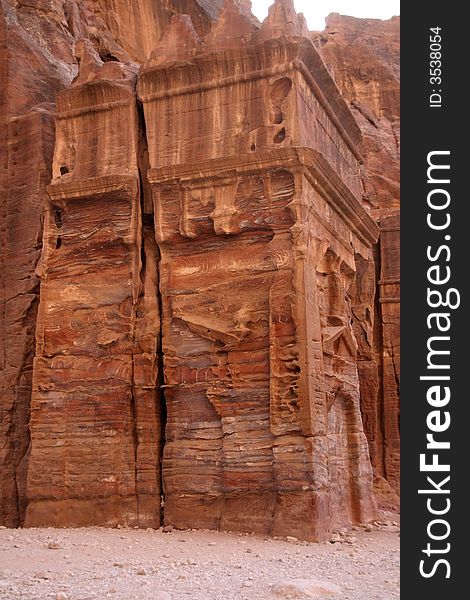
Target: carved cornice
296, 160
94, 186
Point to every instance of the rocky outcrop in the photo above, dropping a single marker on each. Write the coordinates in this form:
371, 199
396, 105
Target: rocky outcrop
38, 58
205, 331
95, 414
363, 57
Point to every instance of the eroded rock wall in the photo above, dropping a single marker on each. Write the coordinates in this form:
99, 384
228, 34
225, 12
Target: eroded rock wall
205, 255
255, 179
363, 56
95, 414
38, 59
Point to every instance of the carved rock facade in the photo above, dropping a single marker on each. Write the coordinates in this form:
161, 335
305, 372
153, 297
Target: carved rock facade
206, 274
41, 43
363, 55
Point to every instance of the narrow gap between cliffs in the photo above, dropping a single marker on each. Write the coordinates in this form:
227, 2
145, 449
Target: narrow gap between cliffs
149, 244
379, 338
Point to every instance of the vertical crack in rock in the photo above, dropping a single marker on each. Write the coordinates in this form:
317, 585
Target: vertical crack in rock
21, 434
150, 288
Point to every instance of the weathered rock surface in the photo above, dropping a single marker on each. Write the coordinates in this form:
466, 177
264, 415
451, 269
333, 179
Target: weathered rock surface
206, 322
95, 370
259, 226
363, 56
39, 58
305, 588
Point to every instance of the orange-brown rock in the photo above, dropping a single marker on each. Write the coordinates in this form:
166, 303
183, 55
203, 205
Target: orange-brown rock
205, 331
363, 56
95, 370
255, 179
39, 53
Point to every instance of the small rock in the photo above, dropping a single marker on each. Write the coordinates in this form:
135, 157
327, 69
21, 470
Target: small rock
53, 545
291, 538
161, 596
141, 572
392, 529
167, 529
335, 538
305, 588
61, 596
2, 527
350, 539
211, 544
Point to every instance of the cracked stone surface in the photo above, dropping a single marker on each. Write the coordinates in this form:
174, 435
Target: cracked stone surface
198, 326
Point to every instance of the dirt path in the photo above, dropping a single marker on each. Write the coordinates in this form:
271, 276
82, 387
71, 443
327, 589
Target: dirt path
129, 564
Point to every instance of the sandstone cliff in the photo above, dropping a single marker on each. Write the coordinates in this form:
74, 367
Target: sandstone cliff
363, 56
207, 326
38, 59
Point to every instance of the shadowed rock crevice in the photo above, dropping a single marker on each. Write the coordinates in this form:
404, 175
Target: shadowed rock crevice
150, 259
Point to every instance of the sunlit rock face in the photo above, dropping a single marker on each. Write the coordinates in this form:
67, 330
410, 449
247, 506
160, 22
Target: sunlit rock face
363, 56
190, 326
42, 43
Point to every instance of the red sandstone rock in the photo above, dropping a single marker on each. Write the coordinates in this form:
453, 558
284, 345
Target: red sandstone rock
95, 415
259, 226
37, 43
363, 57
242, 217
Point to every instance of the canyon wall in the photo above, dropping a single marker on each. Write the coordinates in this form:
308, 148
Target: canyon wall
363, 56
38, 59
190, 325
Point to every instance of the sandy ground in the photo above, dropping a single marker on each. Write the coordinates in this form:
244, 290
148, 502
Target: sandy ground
131, 564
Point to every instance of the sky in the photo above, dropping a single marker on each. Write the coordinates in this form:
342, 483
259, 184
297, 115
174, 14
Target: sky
315, 11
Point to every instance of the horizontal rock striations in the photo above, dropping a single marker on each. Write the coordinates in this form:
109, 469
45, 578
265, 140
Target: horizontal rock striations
254, 171
363, 56
41, 46
206, 347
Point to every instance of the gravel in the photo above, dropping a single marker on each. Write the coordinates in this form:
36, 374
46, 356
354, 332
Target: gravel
129, 564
